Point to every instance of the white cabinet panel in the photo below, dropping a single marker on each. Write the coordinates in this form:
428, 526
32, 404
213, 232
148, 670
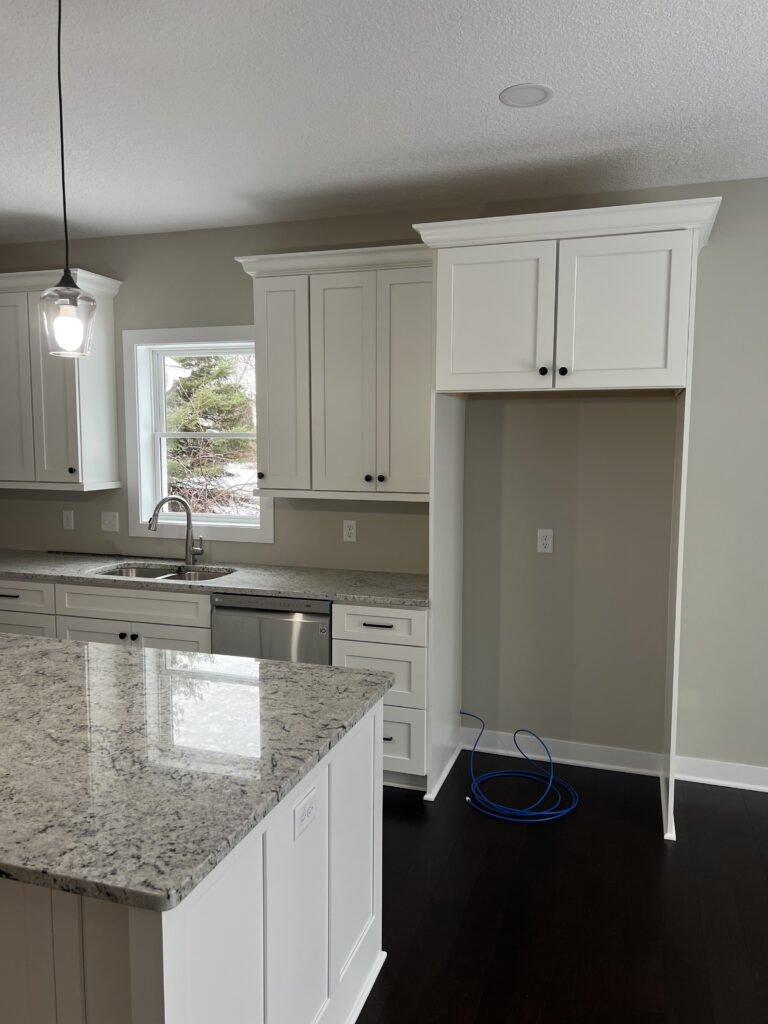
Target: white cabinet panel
93, 630
495, 316
623, 310
403, 379
17, 454
27, 981
27, 623
281, 317
405, 741
26, 596
409, 665
343, 347
179, 608
172, 638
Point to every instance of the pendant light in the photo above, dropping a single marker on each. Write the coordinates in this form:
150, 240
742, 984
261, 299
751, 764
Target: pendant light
68, 312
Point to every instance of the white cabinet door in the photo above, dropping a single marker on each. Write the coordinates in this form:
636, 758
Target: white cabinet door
496, 316
171, 638
99, 631
27, 623
17, 453
403, 379
281, 317
623, 311
343, 358
55, 407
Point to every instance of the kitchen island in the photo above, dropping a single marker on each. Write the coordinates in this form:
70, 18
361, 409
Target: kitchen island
185, 837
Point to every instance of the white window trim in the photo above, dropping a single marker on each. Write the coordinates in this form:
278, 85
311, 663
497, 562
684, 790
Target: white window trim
138, 347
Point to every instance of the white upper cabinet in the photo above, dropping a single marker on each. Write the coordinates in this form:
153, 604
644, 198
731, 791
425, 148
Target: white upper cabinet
344, 371
281, 317
495, 316
58, 416
585, 299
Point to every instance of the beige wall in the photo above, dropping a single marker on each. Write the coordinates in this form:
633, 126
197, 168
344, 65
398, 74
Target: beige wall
190, 279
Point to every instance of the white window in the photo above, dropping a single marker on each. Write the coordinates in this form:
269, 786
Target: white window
190, 415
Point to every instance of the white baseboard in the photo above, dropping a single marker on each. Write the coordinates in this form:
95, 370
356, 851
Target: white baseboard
722, 773
435, 788
587, 755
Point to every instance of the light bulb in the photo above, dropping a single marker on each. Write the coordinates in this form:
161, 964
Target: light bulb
68, 329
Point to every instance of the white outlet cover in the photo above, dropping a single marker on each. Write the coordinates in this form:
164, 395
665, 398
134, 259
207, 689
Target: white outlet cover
304, 814
545, 540
68, 519
349, 530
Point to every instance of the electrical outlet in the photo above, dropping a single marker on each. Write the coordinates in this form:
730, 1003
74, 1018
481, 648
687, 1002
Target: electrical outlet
110, 522
68, 519
545, 540
349, 530
304, 814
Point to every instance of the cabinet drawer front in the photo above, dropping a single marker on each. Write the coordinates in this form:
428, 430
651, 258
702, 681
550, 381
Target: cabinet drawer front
178, 609
405, 741
93, 630
25, 596
380, 625
172, 638
409, 665
27, 623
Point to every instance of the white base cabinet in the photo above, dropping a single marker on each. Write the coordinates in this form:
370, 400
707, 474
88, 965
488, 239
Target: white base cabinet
27, 607
133, 634
57, 416
285, 930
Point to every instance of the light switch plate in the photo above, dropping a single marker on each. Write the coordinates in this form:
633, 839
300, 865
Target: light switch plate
68, 519
110, 522
304, 814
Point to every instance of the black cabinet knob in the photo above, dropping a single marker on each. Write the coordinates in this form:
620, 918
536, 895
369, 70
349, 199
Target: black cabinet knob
122, 635
563, 370
543, 370
134, 636
368, 478
381, 478
260, 476
73, 469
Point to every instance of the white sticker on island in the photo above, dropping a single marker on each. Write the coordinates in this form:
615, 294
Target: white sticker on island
304, 814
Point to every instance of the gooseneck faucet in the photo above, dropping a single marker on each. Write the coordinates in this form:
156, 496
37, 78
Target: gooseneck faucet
191, 549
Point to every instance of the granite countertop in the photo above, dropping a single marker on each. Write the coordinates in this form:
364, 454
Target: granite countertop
129, 774
345, 586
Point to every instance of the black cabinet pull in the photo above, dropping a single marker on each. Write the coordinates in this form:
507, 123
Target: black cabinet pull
381, 478
368, 478
563, 371
13, 597
543, 370
122, 635
379, 625
134, 636
260, 476
73, 469
388, 739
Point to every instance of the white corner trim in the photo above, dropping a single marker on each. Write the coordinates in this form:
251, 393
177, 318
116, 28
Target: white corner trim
382, 257
432, 792
692, 214
721, 773
587, 755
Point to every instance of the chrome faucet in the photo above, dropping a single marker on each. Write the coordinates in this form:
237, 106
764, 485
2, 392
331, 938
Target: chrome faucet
191, 549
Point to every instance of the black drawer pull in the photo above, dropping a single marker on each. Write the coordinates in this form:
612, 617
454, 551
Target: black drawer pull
13, 597
379, 625
134, 636
388, 739
122, 635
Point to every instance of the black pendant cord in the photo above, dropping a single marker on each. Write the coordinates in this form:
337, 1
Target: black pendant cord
61, 140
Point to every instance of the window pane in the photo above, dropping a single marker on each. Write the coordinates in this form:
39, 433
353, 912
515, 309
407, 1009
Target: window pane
214, 475
216, 393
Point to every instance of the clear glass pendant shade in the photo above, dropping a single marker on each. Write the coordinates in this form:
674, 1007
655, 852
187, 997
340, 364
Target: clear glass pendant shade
68, 316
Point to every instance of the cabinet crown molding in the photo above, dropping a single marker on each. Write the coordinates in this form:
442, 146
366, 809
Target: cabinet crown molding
696, 214
39, 280
337, 260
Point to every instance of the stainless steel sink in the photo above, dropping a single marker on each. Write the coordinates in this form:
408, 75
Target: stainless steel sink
188, 574
142, 572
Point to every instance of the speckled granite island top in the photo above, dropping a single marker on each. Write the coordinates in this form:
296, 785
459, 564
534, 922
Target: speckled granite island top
129, 774
346, 586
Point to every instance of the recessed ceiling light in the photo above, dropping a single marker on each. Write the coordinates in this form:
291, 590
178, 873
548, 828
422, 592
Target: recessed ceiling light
526, 94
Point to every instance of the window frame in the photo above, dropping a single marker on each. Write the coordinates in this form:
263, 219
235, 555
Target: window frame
141, 350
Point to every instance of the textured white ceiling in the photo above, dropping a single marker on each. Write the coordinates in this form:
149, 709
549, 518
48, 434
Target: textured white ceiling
187, 114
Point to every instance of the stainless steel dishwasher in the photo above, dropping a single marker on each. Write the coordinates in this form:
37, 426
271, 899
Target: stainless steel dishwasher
282, 628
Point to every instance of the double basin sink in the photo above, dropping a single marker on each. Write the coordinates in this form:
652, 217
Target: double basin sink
161, 573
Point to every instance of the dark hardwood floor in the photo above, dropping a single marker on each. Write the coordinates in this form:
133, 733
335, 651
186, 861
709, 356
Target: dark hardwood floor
593, 918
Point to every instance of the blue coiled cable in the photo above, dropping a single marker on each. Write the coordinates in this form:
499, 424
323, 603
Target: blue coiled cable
558, 789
